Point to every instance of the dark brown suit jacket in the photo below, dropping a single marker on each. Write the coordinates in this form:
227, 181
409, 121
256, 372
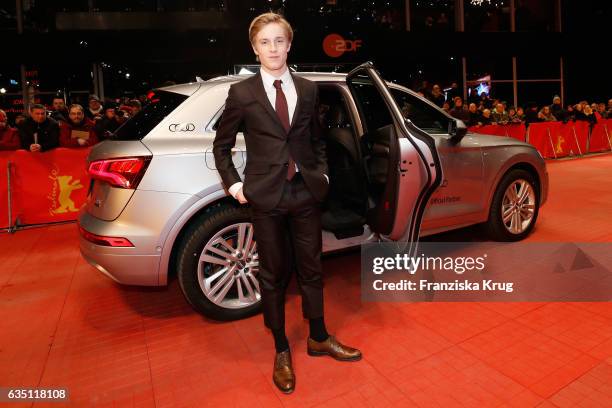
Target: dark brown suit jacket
268, 145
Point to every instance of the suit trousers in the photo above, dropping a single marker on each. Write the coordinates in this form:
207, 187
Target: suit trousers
295, 221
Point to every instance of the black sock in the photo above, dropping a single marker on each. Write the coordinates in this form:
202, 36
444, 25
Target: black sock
317, 329
280, 340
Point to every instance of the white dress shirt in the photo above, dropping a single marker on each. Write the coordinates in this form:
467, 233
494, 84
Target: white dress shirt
288, 88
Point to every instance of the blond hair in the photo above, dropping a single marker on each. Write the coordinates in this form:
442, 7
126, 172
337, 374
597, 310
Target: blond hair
263, 20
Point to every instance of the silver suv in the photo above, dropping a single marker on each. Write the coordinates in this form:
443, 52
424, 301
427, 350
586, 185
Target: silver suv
399, 168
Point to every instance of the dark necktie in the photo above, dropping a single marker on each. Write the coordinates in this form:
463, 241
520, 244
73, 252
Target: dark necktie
282, 110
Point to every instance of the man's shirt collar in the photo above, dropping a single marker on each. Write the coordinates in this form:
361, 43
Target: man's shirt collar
268, 80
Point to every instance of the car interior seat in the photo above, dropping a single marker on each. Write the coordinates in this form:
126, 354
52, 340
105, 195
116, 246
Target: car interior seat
345, 207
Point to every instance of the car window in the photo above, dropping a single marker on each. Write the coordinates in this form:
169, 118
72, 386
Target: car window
372, 106
160, 105
333, 111
420, 112
218, 121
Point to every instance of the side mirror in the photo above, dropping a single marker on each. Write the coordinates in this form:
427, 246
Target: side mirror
456, 129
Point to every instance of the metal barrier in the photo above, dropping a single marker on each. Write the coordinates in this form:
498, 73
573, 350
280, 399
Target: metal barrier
8, 194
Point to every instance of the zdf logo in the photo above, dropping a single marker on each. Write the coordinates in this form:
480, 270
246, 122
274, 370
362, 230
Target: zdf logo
335, 45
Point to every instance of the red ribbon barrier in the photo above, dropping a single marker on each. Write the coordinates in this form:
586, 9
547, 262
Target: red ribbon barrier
45, 187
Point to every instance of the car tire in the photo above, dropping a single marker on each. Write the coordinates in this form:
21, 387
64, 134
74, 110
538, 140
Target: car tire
190, 269
518, 228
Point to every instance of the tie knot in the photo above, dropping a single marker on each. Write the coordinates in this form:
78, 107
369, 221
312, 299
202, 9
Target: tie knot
277, 84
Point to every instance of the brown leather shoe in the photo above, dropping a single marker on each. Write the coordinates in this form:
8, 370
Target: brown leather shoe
333, 348
283, 372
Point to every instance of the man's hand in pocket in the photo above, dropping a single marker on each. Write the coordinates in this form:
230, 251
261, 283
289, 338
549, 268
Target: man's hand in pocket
240, 197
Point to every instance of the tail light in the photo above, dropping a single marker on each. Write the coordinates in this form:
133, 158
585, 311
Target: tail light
105, 241
124, 173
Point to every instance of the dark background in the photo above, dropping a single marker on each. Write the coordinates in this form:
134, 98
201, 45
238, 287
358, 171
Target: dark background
139, 45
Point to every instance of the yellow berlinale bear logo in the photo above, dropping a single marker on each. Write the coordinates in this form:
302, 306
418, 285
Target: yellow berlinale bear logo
63, 186
559, 146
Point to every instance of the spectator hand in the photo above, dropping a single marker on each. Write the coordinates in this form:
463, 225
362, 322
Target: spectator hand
82, 142
35, 147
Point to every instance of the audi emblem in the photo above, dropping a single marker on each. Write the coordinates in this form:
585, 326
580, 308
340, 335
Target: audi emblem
181, 127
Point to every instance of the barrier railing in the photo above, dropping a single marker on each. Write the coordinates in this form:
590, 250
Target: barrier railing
42, 188
555, 139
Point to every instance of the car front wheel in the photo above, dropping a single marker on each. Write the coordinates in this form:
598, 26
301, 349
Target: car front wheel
515, 207
217, 264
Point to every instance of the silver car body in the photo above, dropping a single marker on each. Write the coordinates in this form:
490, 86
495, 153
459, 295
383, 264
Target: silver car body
181, 182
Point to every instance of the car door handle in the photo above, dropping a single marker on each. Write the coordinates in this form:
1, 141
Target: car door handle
380, 149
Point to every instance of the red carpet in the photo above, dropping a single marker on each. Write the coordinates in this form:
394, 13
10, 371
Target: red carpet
63, 324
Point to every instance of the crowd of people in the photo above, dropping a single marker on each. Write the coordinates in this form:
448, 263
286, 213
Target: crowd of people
65, 126
482, 110
77, 126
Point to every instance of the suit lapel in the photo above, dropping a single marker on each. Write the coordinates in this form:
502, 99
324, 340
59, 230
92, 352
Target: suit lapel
261, 96
299, 91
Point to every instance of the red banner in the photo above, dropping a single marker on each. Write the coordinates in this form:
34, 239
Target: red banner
45, 187
539, 136
515, 130
495, 130
4, 160
582, 134
600, 137
52, 186
565, 141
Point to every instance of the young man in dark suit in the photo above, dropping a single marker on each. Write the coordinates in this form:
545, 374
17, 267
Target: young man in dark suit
285, 182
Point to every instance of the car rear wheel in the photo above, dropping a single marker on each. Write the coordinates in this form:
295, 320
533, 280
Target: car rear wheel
515, 207
217, 264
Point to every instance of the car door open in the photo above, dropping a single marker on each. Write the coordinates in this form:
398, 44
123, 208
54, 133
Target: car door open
400, 160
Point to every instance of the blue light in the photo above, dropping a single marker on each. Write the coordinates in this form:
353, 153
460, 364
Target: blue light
13, 82
483, 89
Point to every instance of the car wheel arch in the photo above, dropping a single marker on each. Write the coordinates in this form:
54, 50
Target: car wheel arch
173, 239
521, 165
